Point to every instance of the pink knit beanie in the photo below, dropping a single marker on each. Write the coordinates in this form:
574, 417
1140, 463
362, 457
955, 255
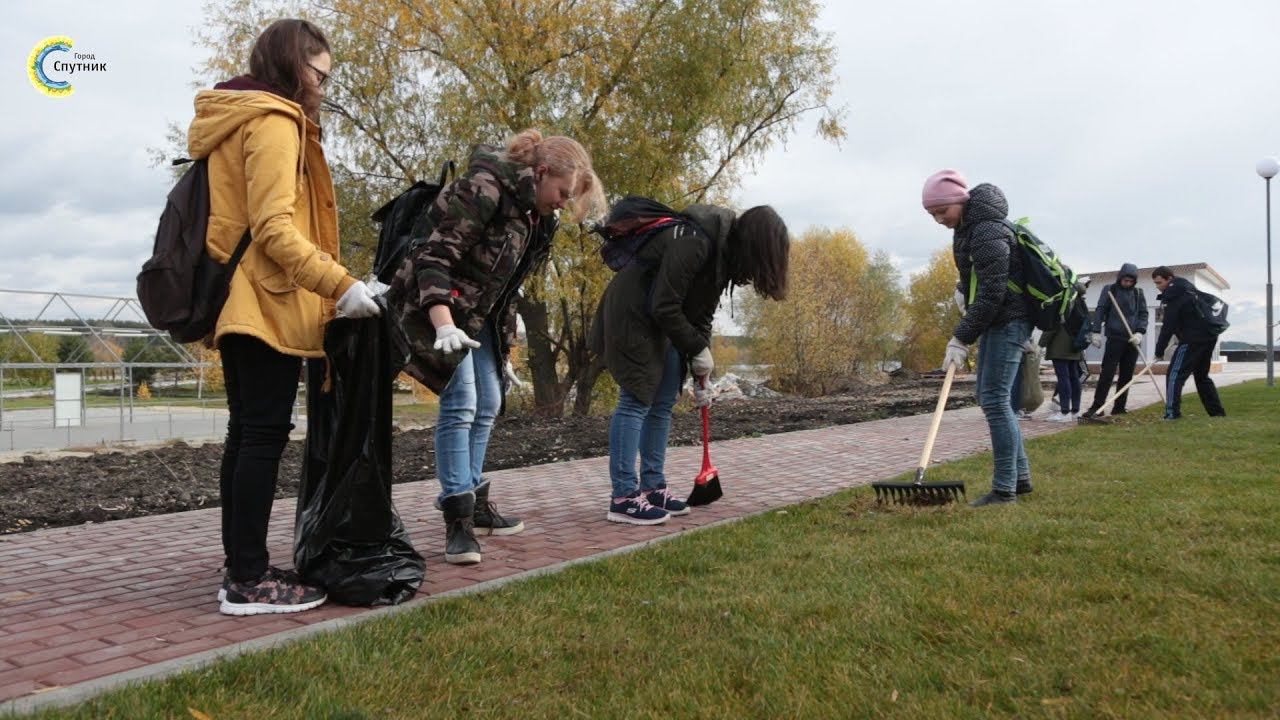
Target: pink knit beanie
945, 187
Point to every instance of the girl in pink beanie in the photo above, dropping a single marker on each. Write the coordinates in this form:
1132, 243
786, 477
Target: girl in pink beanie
995, 317
945, 193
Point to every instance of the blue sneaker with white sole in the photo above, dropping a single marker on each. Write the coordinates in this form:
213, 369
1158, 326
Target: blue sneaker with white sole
662, 498
635, 509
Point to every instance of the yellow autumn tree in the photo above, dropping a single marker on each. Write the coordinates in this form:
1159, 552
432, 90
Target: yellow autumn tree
931, 313
214, 380
840, 318
674, 98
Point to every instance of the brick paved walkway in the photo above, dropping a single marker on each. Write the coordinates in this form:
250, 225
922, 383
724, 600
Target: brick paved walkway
119, 599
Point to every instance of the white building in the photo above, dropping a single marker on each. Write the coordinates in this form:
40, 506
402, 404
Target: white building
1202, 275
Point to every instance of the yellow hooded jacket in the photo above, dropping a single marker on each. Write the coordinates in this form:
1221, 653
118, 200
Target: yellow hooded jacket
284, 289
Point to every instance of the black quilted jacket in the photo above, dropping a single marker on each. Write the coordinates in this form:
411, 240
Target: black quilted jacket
983, 244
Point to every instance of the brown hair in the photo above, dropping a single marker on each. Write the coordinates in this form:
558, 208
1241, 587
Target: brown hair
760, 252
563, 156
280, 57
1162, 271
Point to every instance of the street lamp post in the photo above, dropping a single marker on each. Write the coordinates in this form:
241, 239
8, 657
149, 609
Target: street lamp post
1267, 168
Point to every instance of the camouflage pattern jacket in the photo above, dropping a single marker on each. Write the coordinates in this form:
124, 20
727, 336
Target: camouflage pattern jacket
487, 238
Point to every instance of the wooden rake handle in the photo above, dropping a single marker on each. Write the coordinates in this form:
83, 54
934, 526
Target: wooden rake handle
1106, 407
937, 417
1141, 354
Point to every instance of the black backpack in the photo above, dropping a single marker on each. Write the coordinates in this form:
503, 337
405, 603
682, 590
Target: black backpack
405, 223
1211, 309
631, 224
1076, 322
181, 288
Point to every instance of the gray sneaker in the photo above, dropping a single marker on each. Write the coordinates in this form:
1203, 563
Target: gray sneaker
995, 497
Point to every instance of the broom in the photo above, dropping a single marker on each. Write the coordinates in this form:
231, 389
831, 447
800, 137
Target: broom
921, 492
706, 487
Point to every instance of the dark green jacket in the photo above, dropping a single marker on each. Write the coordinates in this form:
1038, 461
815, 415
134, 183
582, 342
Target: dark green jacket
667, 297
1057, 344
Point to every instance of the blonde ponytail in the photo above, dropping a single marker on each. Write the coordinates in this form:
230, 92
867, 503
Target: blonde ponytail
523, 147
563, 156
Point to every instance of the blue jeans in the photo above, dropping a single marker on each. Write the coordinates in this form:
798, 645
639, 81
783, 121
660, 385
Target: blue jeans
641, 430
1069, 388
1015, 393
468, 407
999, 357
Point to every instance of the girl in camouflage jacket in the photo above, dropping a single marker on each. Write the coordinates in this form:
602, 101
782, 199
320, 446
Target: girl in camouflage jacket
454, 299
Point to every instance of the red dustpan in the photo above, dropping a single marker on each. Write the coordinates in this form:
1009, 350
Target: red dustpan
706, 487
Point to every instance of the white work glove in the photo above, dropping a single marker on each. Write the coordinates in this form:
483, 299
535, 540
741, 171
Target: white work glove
1096, 339
957, 353
377, 287
357, 302
510, 374
959, 298
449, 339
701, 393
1136, 339
702, 363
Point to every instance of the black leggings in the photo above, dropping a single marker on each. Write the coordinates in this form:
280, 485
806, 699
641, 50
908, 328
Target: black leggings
261, 387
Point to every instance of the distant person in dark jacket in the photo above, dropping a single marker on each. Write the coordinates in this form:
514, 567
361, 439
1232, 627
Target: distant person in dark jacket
1121, 351
1059, 348
1195, 345
995, 317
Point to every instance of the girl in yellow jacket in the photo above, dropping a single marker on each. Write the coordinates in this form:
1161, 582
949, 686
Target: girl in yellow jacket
268, 177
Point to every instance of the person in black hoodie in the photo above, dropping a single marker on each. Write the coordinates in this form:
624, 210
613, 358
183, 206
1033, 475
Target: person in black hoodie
1195, 345
995, 317
1121, 351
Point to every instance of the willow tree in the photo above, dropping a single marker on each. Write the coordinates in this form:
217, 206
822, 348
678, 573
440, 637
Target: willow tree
675, 99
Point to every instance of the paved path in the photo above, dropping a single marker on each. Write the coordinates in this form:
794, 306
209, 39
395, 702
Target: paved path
88, 607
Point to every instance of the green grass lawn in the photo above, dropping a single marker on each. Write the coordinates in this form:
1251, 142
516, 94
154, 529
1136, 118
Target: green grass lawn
1141, 579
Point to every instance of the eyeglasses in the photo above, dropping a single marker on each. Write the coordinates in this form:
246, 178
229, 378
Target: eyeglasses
324, 76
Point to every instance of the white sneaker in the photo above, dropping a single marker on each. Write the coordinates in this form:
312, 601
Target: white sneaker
1058, 417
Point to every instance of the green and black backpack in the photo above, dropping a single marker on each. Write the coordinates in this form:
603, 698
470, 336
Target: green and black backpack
1050, 287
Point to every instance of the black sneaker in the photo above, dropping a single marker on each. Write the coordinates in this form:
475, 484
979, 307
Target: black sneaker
460, 544
487, 520
275, 592
1119, 411
995, 497
662, 498
634, 509
1024, 487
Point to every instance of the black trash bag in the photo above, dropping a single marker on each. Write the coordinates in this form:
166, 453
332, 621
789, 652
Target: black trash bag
348, 538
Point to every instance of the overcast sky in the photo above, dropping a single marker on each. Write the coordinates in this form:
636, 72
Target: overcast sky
1126, 129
